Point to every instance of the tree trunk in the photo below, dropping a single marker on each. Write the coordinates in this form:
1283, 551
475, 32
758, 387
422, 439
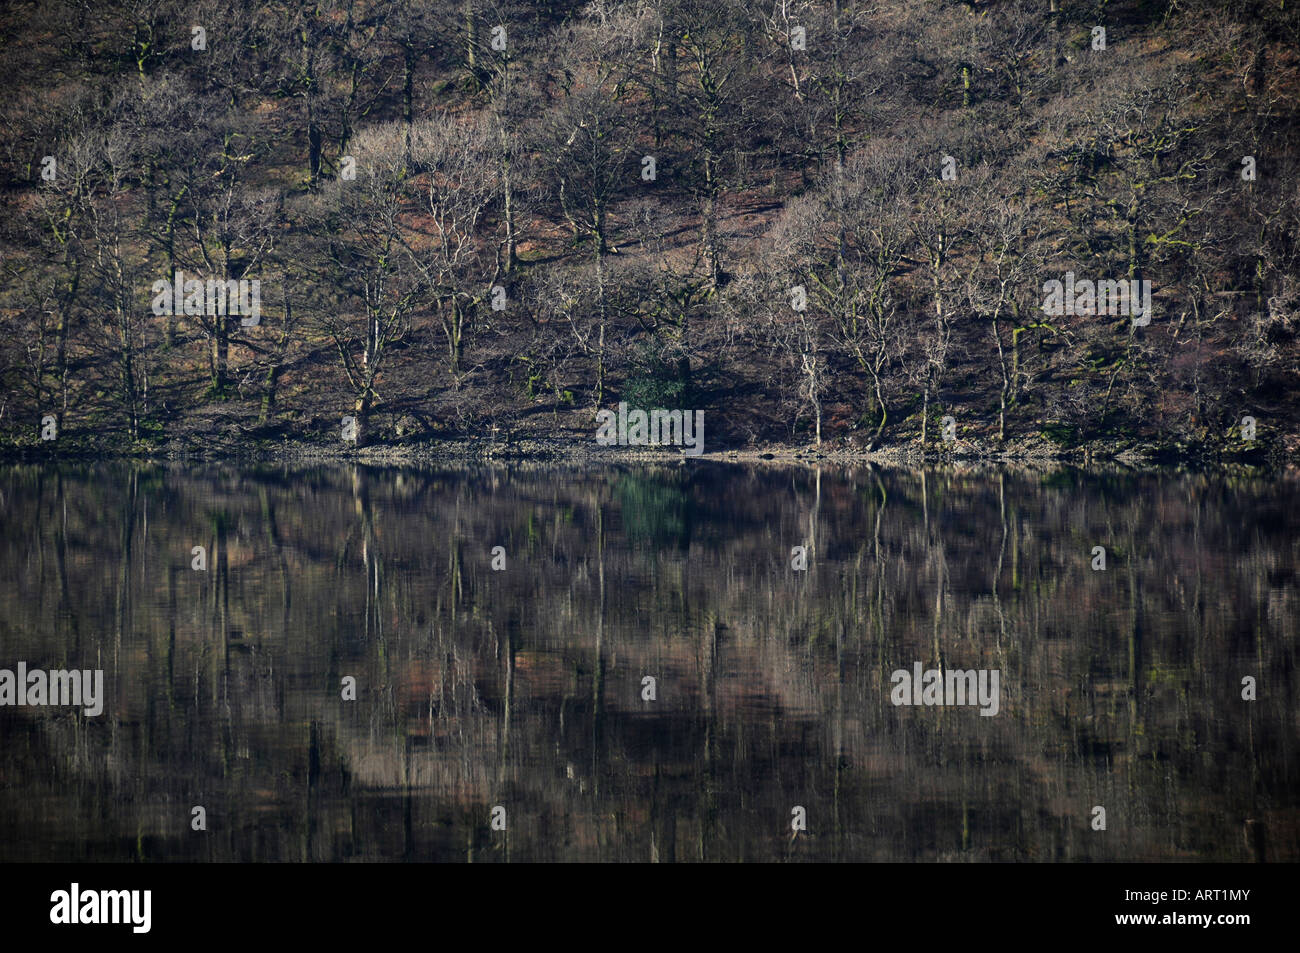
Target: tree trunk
710, 213
268, 398
471, 41
220, 354
408, 100
508, 196
925, 410
453, 327
600, 344
61, 363
884, 412
361, 411
309, 96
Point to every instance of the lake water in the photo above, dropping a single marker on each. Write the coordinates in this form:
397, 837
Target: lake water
524, 688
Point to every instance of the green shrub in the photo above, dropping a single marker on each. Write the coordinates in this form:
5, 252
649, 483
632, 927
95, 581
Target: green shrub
655, 382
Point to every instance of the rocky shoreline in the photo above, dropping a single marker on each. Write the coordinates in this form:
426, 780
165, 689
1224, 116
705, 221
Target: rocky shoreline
584, 450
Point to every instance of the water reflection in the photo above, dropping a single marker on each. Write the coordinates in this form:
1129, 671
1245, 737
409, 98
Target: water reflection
523, 687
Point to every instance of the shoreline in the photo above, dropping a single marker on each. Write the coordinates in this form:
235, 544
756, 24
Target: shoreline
586, 451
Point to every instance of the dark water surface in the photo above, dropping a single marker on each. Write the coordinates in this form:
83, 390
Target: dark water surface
523, 688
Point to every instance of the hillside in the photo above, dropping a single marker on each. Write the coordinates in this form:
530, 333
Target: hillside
827, 225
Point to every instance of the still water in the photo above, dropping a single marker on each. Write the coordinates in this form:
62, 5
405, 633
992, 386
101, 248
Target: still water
525, 688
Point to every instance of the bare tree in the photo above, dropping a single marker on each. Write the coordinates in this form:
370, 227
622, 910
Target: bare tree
458, 267
1001, 275
372, 284
845, 245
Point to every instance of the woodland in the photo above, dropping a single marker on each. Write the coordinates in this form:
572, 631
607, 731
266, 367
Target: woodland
828, 225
